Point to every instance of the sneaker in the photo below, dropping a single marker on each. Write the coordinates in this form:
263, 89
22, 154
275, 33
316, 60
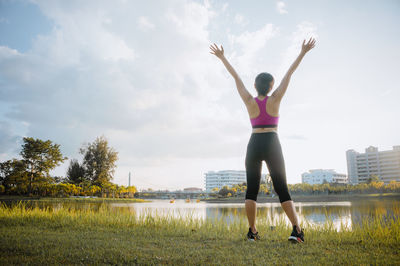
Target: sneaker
251, 236
295, 236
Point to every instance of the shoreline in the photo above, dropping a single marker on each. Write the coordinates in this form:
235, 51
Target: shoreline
6, 198
310, 198
238, 199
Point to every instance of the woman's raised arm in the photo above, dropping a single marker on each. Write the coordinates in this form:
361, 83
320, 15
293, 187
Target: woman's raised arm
243, 92
280, 91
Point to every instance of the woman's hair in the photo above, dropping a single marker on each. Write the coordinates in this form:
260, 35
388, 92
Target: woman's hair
262, 82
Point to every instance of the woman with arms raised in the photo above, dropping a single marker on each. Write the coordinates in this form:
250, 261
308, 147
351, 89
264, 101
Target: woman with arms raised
264, 144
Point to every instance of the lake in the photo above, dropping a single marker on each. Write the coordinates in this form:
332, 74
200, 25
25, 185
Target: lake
344, 213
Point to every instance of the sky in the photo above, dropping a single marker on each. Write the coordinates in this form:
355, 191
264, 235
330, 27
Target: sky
140, 74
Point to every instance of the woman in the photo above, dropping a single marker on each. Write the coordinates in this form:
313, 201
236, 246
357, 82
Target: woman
264, 144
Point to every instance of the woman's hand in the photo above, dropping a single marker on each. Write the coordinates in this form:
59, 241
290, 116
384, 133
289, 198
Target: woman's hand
216, 51
281, 90
308, 46
244, 94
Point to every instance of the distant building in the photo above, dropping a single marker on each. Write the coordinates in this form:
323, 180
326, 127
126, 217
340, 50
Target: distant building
384, 164
192, 189
319, 176
223, 178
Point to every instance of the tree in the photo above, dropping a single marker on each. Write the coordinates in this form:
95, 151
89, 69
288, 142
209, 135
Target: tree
109, 188
132, 190
373, 178
264, 189
393, 185
40, 157
94, 189
225, 190
13, 176
59, 179
99, 161
5, 170
75, 172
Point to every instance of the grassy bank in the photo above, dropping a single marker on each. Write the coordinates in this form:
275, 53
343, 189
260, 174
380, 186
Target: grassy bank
309, 198
89, 200
72, 199
89, 237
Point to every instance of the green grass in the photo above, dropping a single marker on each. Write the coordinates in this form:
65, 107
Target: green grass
94, 200
70, 236
84, 200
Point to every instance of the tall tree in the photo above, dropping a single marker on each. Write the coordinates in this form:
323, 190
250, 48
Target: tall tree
75, 172
40, 157
13, 176
99, 161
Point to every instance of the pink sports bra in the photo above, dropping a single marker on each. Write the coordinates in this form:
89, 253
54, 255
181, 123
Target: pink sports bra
263, 119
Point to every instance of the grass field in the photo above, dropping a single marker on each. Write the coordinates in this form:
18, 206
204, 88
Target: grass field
64, 236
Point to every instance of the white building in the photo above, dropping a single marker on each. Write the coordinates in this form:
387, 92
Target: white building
319, 176
384, 164
223, 178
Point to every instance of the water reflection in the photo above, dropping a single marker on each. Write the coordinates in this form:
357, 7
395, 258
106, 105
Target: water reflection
339, 214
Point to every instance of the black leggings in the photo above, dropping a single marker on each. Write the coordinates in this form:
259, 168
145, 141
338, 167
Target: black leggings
265, 147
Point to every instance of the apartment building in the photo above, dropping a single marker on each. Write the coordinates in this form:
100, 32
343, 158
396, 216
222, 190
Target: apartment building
384, 164
223, 178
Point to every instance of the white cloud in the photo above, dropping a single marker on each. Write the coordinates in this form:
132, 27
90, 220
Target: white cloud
145, 24
224, 7
79, 35
281, 7
251, 44
10, 142
206, 4
169, 107
153, 97
6, 52
240, 19
253, 41
191, 19
304, 31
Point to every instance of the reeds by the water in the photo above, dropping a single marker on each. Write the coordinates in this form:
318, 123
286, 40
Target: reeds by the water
381, 228
30, 234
